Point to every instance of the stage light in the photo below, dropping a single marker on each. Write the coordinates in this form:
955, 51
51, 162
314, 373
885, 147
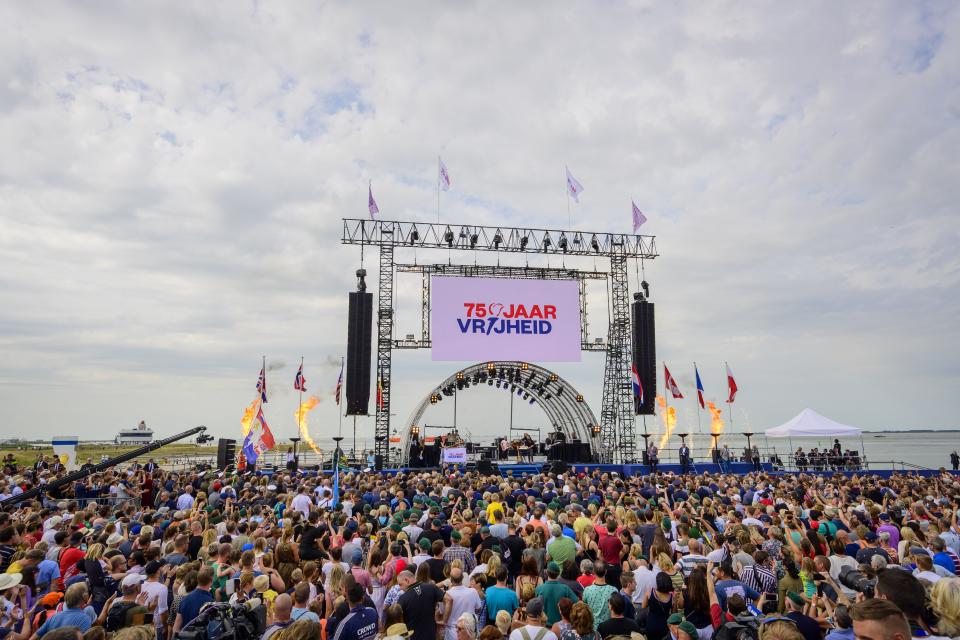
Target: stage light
563, 243
414, 235
414, 430
579, 398
498, 384
490, 382
594, 243
595, 430
448, 238
519, 392
473, 240
554, 377
490, 366
497, 239
532, 400
546, 243
524, 366
523, 242
459, 375
434, 399
526, 395
646, 288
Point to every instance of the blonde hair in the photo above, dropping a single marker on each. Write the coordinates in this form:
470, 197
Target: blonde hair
664, 562
94, 552
945, 600
139, 632
780, 630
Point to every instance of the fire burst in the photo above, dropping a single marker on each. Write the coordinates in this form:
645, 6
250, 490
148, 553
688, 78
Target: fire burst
248, 415
716, 423
301, 416
669, 420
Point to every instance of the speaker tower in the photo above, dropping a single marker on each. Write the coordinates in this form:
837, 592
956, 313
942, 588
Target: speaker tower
359, 329
644, 352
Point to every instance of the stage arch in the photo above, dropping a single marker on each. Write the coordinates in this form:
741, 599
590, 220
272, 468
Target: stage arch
564, 406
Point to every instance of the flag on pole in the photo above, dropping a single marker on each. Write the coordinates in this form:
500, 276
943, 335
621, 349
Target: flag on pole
574, 188
371, 203
699, 387
336, 392
443, 177
670, 383
638, 217
731, 384
637, 387
262, 384
258, 440
299, 382
379, 393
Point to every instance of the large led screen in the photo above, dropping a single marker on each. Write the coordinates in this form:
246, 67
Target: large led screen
476, 319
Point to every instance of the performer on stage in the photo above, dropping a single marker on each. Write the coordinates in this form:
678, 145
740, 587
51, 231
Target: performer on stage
504, 448
684, 458
652, 452
528, 442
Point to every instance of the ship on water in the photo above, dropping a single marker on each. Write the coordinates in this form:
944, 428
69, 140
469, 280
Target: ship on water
141, 434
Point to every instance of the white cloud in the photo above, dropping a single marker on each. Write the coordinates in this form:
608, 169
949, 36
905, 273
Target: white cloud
175, 177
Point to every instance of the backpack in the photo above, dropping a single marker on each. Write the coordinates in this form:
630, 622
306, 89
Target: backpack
117, 616
743, 627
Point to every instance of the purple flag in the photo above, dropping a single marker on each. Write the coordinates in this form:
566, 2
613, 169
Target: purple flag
638, 217
443, 177
372, 204
574, 188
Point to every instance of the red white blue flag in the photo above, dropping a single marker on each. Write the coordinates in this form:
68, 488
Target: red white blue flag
637, 387
262, 384
299, 382
670, 383
259, 439
731, 384
336, 392
699, 387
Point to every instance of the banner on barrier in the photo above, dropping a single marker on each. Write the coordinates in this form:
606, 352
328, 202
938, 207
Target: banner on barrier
454, 455
505, 319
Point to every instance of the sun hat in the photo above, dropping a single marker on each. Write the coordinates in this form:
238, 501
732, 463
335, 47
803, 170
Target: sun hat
398, 629
8, 580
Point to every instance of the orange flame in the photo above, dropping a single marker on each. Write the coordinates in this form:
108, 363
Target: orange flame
248, 415
716, 422
301, 416
669, 415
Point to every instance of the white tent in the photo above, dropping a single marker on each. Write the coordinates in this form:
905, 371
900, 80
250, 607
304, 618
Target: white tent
809, 423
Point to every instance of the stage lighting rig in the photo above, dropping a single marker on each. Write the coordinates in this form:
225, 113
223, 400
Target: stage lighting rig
523, 242
563, 243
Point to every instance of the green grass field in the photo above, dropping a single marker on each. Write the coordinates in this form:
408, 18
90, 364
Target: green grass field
27, 454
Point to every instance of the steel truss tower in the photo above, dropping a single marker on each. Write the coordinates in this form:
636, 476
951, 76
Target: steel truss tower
617, 429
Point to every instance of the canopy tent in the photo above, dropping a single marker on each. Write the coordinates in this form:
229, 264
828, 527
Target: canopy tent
809, 423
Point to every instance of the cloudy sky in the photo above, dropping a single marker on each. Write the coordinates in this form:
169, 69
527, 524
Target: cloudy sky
176, 173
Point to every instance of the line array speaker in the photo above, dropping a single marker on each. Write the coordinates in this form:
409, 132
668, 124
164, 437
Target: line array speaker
645, 354
359, 329
226, 452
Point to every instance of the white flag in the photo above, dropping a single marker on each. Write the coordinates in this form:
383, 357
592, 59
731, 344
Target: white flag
443, 178
573, 186
638, 217
371, 203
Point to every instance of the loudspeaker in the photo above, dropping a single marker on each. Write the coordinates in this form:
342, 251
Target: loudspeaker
645, 355
226, 452
359, 328
558, 467
488, 467
378, 462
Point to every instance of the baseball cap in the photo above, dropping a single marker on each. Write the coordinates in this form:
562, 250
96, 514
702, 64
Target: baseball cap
153, 566
133, 579
870, 537
535, 607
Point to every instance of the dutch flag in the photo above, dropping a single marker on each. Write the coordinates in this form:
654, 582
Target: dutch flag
637, 387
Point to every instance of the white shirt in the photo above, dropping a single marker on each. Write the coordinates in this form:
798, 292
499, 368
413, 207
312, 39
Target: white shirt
302, 503
464, 600
532, 632
156, 592
929, 576
185, 502
646, 583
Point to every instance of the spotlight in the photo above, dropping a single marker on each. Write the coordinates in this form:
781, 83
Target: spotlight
448, 238
523, 242
579, 398
490, 382
498, 384
473, 240
524, 366
646, 288
519, 392
532, 400
414, 235
490, 366
546, 243
554, 377
434, 399
414, 430
497, 239
459, 375
563, 243
594, 243
526, 395
595, 430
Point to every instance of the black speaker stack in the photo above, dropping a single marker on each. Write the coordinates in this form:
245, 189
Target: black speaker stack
644, 352
359, 330
226, 452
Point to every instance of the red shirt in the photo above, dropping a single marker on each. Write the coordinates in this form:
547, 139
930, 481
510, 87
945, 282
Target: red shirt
610, 548
68, 563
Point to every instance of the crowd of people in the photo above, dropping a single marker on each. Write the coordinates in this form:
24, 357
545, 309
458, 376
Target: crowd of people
140, 552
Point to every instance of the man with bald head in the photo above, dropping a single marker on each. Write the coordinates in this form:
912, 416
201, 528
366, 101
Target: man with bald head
458, 600
282, 606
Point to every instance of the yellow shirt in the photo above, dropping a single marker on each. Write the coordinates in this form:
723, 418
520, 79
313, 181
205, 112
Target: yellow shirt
495, 506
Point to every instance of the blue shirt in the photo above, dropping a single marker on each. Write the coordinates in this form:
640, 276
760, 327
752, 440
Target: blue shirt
66, 618
945, 561
360, 624
501, 599
727, 588
192, 603
47, 572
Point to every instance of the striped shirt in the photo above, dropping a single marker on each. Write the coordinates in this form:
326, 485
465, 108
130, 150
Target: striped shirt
760, 578
458, 552
690, 562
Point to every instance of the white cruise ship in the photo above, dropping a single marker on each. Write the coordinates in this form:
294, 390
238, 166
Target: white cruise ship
140, 435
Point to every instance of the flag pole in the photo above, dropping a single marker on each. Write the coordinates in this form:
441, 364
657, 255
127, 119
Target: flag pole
339, 411
300, 406
729, 404
438, 189
567, 189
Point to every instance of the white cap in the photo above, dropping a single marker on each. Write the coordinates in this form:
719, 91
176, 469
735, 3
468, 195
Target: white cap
133, 579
